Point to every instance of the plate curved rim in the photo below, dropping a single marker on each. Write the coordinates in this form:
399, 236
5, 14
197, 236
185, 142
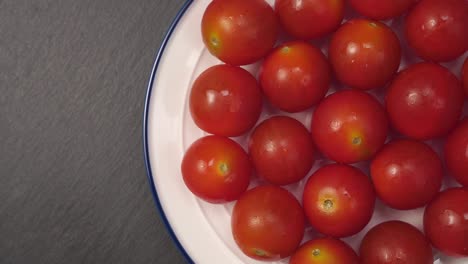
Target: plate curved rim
149, 173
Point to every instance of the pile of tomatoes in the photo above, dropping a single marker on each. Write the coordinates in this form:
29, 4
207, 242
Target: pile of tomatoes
395, 94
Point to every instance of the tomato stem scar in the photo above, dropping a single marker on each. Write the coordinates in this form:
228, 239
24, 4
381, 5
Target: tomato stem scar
223, 168
214, 41
285, 49
357, 141
260, 253
316, 251
328, 204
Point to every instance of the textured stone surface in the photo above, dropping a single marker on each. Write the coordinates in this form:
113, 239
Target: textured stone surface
73, 78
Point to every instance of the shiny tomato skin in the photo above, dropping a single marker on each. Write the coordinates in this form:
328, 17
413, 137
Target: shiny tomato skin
310, 19
239, 32
381, 9
225, 100
446, 222
456, 152
424, 101
325, 250
349, 126
268, 223
464, 75
364, 54
281, 150
407, 174
295, 76
216, 169
338, 200
395, 242
436, 30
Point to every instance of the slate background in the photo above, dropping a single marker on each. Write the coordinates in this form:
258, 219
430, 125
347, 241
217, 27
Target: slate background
73, 78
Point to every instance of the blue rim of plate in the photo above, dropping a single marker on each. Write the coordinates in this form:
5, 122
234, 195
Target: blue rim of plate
149, 173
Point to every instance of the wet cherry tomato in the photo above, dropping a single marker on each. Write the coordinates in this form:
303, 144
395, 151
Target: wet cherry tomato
381, 9
216, 169
395, 242
436, 30
239, 32
295, 76
338, 200
325, 250
456, 152
424, 101
349, 126
225, 100
268, 223
364, 54
406, 174
464, 75
446, 222
281, 150
310, 19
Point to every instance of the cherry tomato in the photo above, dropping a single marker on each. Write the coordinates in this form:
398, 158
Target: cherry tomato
406, 174
381, 9
295, 76
216, 169
424, 101
446, 222
349, 126
281, 150
310, 19
436, 30
239, 32
465, 76
325, 250
268, 223
395, 242
225, 100
338, 200
364, 54
456, 152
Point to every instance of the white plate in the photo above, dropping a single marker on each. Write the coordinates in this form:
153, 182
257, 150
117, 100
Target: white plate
202, 230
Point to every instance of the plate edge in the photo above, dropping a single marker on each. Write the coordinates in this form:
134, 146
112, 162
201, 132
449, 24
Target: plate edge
149, 174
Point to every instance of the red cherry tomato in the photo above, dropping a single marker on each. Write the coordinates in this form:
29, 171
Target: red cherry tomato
465, 76
436, 29
349, 126
395, 242
364, 54
268, 223
310, 19
225, 100
381, 9
446, 222
239, 32
216, 169
324, 251
456, 152
281, 150
295, 76
406, 174
338, 200
424, 101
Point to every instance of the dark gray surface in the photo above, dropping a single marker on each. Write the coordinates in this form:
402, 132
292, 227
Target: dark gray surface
73, 77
